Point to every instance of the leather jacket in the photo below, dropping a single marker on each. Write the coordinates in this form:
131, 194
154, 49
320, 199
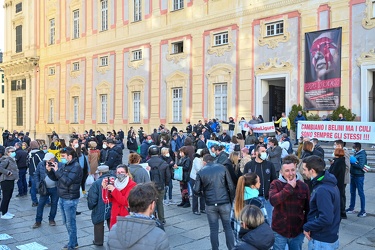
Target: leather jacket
215, 183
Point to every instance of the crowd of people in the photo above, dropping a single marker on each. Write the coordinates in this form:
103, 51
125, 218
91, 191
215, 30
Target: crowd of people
266, 194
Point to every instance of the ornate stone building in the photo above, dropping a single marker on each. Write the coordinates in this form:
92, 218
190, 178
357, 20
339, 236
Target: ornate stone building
108, 64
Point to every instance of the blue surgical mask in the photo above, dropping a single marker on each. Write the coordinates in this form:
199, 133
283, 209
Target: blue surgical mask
13, 154
45, 151
353, 150
149, 141
64, 161
212, 154
311, 178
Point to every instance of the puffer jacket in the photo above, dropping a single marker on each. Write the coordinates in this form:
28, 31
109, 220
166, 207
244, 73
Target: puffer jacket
260, 238
185, 163
95, 201
214, 181
137, 233
68, 179
356, 168
114, 157
8, 164
41, 171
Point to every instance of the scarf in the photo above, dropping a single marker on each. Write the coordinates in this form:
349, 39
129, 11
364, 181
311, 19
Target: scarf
121, 185
250, 193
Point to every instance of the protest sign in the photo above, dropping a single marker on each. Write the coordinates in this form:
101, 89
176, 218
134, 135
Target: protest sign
363, 132
267, 127
209, 143
56, 153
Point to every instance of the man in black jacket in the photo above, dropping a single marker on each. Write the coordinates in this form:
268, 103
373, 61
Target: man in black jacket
21, 158
68, 178
215, 184
114, 157
160, 175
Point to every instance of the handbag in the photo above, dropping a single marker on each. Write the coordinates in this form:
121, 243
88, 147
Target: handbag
42, 188
90, 180
178, 174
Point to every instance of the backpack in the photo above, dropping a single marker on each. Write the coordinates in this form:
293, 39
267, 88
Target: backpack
290, 149
156, 177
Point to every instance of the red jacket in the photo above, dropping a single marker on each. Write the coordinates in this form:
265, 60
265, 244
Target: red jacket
291, 206
119, 201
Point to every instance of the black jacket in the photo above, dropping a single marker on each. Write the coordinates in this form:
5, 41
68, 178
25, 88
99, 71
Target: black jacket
34, 157
114, 157
266, 172
21, 158
68, 179
103, 155
213, 181
155, 161
319, 151
221, 158
185, 163
338, 169
260, 238
95, 201
224, 138
201, 144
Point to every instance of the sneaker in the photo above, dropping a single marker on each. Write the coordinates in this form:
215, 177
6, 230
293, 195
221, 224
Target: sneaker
19, 195
196, 213
172, 202
6, 217
36, 225
66, 247
52, 223
34, 204
78, 213
47, 205
362, 214
12, 215
165, 202
203, 211
350, 211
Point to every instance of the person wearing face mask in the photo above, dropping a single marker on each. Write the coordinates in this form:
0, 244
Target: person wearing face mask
103, 152
138, 173
139, 230
21, 160
68, 177
197, 166
166, 156
290, 198
224, 137
34, 158
9, 173
114, 157
266, 172
247, 193
118, 192
146, 144
100, 138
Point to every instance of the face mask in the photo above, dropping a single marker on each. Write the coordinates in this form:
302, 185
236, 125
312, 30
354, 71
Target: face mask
45, 151
104, 146
213, 154
333, 154
311, 178
167, 155
353, 150
121, 177
64, 161
149, 141
263, 156
23, 147
13, 154
76, 146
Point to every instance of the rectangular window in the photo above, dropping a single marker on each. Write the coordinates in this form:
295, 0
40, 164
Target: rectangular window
178, 4
137, 55
274, 29
373, 9
19, 7
75, 108
137, 107
221, 39
50, 110
18, 85
2, 89
177, 47
220, 94
104, 14
177, 105
75, 24
75, 66
104, 61
137, 10
52, 31
51, 71
19, 38
2, 103
103, 107
19, 111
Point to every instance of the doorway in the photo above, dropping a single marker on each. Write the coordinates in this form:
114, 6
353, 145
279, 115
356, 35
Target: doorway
276, 101
371, 100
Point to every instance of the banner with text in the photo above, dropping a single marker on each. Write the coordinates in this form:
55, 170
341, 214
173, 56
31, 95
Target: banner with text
363, 132
267, 127
209, 143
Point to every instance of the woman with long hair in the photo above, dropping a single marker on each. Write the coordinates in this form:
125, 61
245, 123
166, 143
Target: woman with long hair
117, 192
139, 174
233, 145
338, 168
83, 161
246, 194
185, 163
234, 158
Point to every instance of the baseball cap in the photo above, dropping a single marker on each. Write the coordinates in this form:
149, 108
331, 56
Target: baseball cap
48, 157
102, 169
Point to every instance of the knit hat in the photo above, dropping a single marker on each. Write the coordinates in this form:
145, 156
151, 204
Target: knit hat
34, 145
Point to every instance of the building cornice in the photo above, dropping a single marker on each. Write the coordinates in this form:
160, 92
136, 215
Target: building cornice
20, 66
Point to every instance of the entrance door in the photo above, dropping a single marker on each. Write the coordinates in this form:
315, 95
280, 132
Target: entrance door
276, 100
371, 100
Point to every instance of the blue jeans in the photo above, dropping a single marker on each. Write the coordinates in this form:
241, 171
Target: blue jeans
268, 207
68, 212
320, 245
213, 215
169, 188
33, 191
357, 183
22, 183
293, 243
52, 192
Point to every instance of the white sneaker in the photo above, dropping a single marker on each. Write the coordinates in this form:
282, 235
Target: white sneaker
172, 202
12, 215
6, 217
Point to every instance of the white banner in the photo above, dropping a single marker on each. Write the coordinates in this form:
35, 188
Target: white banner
363, 132
267, 127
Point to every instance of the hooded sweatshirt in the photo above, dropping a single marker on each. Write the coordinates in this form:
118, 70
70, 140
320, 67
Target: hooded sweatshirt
323, 220
260, 238
136, 233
